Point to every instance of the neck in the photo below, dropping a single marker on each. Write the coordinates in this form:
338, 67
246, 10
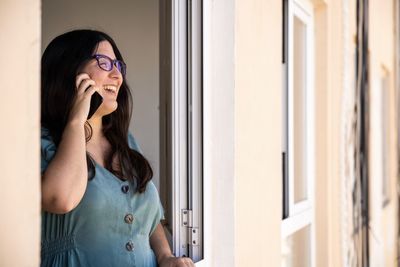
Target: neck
97, 125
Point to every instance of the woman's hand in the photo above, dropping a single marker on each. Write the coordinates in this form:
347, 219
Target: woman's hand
176, 262
85, 88
163, 253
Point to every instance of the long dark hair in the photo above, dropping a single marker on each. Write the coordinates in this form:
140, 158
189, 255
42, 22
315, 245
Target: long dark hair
61, 61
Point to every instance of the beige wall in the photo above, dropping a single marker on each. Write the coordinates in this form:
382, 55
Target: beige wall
134, 26
258, 132
334, 86
19, 137
328, 209
321, 142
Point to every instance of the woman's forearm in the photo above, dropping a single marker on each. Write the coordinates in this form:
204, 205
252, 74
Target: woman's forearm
159, 244
65, 179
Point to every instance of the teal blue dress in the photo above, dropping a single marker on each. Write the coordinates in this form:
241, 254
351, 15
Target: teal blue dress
111, 226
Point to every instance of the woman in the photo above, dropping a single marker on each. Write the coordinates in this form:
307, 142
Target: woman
100, 207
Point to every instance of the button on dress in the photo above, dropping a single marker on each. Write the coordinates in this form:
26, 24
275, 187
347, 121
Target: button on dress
111, 226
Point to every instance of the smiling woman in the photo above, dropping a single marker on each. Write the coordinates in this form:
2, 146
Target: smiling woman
100, 207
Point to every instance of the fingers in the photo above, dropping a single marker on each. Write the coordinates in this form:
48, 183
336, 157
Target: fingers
90, 91
80, 77
189, 262
184, 262
84, 85
177, 262
83, 82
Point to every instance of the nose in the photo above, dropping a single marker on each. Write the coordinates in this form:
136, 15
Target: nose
115, 73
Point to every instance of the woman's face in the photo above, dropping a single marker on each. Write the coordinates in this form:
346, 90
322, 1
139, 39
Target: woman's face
108, 82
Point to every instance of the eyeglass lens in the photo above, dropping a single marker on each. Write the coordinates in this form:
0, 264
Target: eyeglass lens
107, 64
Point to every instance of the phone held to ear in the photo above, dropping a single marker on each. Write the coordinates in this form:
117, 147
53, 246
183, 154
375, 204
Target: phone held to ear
95, 103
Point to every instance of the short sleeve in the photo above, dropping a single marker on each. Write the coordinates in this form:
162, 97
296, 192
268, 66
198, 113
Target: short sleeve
48, 149
159, 210
133, 144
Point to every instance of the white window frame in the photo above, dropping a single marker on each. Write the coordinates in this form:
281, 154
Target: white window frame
301, 214
187, 126
207, 145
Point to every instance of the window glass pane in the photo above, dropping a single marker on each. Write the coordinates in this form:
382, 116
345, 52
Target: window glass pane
299, 105
296, 249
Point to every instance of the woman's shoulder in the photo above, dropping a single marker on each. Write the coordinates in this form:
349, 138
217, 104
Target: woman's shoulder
151, 187
151, 191
133, 144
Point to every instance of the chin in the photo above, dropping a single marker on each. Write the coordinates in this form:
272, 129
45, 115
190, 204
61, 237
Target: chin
108, 108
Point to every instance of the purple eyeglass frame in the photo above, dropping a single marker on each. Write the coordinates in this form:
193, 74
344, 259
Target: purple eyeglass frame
121, 66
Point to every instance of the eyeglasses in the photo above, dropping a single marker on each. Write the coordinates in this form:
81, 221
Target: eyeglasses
107, 64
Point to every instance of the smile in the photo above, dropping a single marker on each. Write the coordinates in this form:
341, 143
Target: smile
111, 89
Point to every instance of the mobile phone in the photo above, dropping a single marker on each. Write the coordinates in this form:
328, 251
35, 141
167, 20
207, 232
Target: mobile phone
95, 103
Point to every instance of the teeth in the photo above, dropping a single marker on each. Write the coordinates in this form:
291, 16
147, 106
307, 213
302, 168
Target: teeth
110, 88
